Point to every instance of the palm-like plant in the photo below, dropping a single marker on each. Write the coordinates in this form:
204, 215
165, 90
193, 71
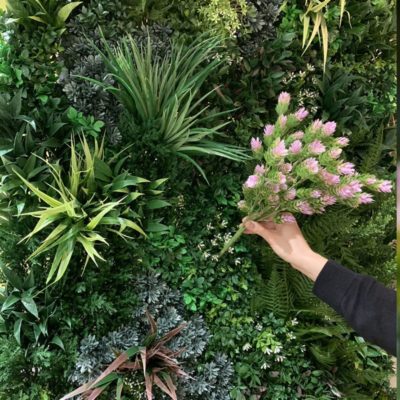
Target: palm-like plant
158, 363
164, 93
93, 197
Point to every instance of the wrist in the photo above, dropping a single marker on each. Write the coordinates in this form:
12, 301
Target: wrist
310, 264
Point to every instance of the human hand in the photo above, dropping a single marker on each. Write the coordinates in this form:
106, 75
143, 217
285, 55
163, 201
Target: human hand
288, 242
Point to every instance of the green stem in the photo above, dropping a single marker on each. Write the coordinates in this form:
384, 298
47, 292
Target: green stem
233, 240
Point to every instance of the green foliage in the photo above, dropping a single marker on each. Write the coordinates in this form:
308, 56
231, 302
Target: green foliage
25, 313
48, 12
223, 15
160, 99
302, 348
86, 201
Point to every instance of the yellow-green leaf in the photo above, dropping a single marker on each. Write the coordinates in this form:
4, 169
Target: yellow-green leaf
43, 196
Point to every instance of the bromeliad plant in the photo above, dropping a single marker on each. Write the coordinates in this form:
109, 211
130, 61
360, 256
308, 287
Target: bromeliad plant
161, 97
88, 203
158, 363
301, 171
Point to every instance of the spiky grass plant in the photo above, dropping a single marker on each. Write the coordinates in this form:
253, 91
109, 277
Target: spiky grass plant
158, 363
164, 93
93, 198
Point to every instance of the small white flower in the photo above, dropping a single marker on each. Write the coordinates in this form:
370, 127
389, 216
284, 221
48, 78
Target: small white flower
265, 366
209, 226
201, 246
247, 347
237, 261
294, 322
277, 349
259, 327
280, 358
290, 336
214, 257
214, 242
206, 254
224, 223
230, 250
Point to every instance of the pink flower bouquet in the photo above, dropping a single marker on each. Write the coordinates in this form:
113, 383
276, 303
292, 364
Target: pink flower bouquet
300, 170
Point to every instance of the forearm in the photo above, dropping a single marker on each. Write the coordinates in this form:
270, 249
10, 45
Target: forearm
310, 264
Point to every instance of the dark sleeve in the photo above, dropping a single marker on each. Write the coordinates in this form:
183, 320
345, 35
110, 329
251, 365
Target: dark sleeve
367, 305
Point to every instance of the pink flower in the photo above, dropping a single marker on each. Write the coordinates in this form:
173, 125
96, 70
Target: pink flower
328, 178
356, 186
316, 125
365, 198
282, 121
329, 128
305, 208
328, 200
255, 144
259, 170
298, 135
385, 187
269, 130
371, 181
282, 178
252, 181
280, 150
295, 147
312, 165
285, 168
288, 217
284, 98
283, 186
301, 113
276, 188
335, 153
316, 147
342, 141
291, 194
346, 192
346, 168
316, 194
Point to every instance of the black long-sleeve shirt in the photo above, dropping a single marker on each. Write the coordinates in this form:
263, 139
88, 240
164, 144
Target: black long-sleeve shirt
367, 305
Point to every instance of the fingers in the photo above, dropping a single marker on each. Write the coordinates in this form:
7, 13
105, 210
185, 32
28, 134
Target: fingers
258, 228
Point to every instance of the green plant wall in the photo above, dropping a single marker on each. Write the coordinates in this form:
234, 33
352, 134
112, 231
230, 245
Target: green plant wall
152, 225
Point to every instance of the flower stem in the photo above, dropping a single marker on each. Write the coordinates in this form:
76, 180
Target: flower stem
232, 240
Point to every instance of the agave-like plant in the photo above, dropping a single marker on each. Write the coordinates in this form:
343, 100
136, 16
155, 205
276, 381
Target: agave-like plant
164, 92
158, 363
93, 197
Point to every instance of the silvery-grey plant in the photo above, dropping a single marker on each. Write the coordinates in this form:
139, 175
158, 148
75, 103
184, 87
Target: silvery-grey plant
206, 380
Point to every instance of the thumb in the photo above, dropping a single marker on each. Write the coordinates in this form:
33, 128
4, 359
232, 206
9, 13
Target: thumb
254, 227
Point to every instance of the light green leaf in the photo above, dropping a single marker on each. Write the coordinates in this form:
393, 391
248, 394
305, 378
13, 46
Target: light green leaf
43, 196
66, 10
96, 220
